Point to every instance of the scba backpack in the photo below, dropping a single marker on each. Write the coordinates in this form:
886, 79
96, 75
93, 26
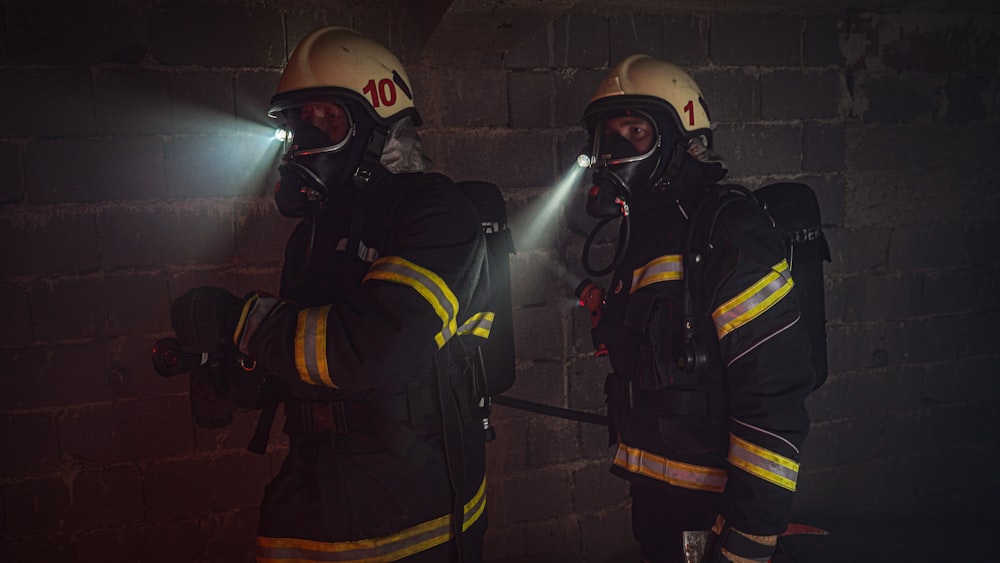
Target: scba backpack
795, 210
498, 350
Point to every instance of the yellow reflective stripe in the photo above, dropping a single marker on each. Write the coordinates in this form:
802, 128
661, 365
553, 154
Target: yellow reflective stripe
479, 324
676, 473
429, 285
243, 318
665, 268
753, 301
310, 346
393, 547
763, 463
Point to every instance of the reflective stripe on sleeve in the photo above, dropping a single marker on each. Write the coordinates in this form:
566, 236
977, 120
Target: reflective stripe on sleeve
753, 301
310, 346
479, 325
685, 475
387, 548
429, 285
763, 463
664, 268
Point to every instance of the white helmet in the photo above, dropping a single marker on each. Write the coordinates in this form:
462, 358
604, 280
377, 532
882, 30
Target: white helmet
337, 62
641, 82
348, 105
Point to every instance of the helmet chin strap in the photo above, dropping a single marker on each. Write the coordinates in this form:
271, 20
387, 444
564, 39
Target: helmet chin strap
371, 157
362, 176
673, 167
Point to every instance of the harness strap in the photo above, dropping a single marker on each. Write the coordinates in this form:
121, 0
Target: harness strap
262, 431
451, 429
270, 396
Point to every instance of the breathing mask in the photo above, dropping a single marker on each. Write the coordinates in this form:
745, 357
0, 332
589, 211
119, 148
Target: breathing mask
631, 150
624, 157
321, 157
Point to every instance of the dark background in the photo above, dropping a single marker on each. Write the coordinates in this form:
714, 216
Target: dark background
137, 163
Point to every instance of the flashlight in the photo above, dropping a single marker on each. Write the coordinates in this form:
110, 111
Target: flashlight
281, 134
591, 296
584, 161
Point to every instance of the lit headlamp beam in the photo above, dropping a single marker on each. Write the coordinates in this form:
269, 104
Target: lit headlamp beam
537, 221
539, 218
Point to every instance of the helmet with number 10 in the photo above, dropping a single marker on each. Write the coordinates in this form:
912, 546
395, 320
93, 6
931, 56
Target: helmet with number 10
338, 62
341, 95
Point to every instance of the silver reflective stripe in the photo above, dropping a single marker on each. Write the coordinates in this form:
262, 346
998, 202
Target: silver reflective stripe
394, 547
479, 324
364, 252
665, 268
685, 475
429, 285
310, 346
763, 463
754, 300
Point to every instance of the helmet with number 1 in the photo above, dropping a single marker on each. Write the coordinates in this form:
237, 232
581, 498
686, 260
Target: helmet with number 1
342, 95
667, 99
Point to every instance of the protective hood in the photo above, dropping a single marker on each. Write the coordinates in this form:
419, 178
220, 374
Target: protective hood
403, 151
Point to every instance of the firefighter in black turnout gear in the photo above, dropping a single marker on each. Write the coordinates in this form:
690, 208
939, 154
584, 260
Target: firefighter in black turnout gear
373, 338
711, 367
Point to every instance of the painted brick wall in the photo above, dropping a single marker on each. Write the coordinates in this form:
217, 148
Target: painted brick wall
136, 163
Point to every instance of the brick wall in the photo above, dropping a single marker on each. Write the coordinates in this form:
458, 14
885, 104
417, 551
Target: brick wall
137, 164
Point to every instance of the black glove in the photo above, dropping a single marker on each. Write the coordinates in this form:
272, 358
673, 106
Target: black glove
729, 545
205, 318
209, 319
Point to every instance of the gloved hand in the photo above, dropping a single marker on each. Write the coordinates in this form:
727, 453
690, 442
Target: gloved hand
208, 318
729, 545
205, 318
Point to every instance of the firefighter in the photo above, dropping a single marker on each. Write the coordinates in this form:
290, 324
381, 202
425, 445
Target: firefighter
711, 367
372, 338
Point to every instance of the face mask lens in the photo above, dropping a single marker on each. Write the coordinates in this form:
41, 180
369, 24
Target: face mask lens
319, 128
623, 139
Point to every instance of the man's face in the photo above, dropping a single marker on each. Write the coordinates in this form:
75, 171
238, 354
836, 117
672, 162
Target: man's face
329, 118
636, 130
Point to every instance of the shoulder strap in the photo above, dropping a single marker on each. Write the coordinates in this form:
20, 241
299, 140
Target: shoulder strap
708, 208
711, 204
401, 195
694, 356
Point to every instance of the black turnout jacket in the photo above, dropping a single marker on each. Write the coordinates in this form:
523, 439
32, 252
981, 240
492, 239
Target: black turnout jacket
389, 276
734, 428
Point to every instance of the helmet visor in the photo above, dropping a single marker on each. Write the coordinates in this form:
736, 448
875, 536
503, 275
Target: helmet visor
624, 138
317, 128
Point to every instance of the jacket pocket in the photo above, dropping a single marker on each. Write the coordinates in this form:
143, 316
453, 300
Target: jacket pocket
650, 320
